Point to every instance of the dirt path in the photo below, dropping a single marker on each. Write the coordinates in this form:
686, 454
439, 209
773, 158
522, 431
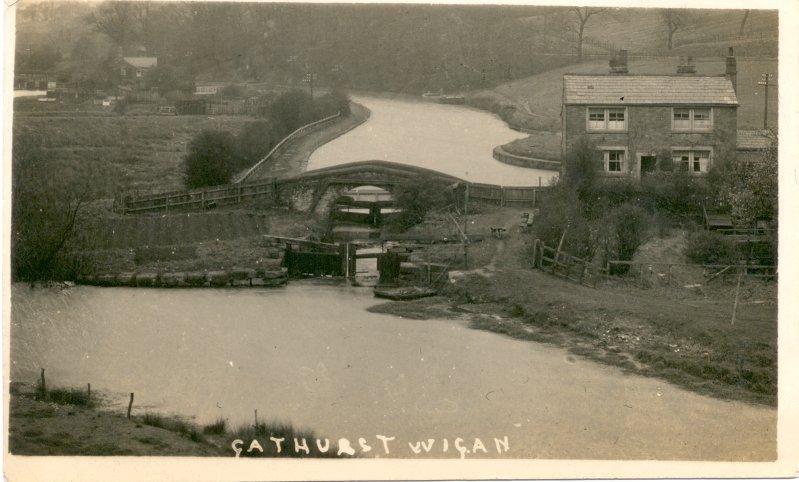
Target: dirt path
294, 159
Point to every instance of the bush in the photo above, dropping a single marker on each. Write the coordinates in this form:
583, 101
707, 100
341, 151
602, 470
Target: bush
211, 160
579, 169
291, 110
255, 141
562, 212
676, 192
629, 227
415, 198
707, 247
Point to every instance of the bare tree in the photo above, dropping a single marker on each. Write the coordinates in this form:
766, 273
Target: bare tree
583, 14
673, 24
116, 20
743, 23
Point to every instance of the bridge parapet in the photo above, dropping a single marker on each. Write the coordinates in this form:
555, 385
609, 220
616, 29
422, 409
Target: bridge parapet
316, 191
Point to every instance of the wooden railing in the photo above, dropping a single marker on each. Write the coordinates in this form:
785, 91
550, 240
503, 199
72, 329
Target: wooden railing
283, 143
198, 199
504, 195
564, 265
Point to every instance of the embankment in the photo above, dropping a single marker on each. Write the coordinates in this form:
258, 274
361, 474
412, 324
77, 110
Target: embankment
293, 159
68, 421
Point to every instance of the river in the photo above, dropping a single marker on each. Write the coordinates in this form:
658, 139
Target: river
453, 139
311, 354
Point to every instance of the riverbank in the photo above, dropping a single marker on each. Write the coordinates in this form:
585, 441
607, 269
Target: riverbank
673, 334
293, 159
68, 422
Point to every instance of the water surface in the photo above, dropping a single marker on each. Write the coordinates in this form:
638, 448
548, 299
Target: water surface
453, 139
311, 354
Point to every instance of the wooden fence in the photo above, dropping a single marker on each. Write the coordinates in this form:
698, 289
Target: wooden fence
647, 274
198, 199
564, 265
283, 143
506, 195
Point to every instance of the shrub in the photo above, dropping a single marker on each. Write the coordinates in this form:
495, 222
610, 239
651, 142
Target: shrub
707, 247
579, 168
211, 159
629, 227
255, 141
676, 192
415, 198
562, 212
292, 110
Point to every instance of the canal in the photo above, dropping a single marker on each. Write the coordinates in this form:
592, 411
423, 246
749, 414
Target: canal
453, 139
312, 354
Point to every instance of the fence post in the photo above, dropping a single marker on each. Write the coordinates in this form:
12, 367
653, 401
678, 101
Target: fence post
130, 404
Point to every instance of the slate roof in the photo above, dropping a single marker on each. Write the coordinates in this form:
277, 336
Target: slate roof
749, 140
141, 62
648, 90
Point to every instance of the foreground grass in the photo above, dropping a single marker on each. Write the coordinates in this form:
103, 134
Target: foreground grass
67, 422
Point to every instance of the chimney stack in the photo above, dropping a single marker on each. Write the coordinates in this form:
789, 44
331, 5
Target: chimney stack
686, 66
618, 63
732, 70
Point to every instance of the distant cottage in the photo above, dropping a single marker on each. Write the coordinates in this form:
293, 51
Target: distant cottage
640, 122
134, 68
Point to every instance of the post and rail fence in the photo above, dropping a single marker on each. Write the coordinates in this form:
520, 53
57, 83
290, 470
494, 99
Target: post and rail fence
642, 273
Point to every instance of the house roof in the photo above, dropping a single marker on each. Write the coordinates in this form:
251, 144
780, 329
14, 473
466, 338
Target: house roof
648, 90
141, 62
753, 140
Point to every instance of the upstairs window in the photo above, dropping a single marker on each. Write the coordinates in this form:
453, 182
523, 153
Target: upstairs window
607, 119
694, 161
693, 119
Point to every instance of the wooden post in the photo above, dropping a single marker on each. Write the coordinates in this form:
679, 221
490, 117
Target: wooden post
560, 245
89, 391
43, 385
130, 404
256, 417
735, 303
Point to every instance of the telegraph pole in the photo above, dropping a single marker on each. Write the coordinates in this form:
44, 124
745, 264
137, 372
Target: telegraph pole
765, 82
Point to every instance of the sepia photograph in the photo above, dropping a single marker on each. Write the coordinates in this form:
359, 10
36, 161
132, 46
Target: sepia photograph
426, 232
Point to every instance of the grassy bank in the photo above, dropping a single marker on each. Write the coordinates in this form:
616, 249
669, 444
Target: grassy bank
66, 421
196, 241
682, 335
143, 153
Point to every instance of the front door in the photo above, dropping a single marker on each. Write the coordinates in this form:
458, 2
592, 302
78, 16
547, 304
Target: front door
648, 163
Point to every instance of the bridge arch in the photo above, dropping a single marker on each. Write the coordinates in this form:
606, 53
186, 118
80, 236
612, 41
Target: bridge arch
317, 191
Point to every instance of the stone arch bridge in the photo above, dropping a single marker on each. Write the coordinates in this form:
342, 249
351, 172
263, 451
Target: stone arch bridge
316, 191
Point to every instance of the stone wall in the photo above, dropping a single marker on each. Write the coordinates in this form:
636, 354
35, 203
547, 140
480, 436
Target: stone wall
649, 132
502, 155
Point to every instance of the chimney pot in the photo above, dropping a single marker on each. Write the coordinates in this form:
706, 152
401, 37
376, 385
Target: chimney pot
732, 69
618, 63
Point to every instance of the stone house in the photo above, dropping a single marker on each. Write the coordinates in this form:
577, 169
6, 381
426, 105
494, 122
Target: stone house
638, 123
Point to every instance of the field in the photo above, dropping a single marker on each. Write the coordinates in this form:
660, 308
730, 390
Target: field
119, 153
194, 241
537, 99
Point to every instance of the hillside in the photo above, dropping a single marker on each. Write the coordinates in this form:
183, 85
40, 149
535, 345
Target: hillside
537, 99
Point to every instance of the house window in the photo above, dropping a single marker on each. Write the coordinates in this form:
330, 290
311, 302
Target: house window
607, 119
694, 161
596, 119
695, 119
614, 160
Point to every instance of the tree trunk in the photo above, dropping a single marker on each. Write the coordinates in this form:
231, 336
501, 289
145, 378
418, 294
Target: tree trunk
743, 23
580, 42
